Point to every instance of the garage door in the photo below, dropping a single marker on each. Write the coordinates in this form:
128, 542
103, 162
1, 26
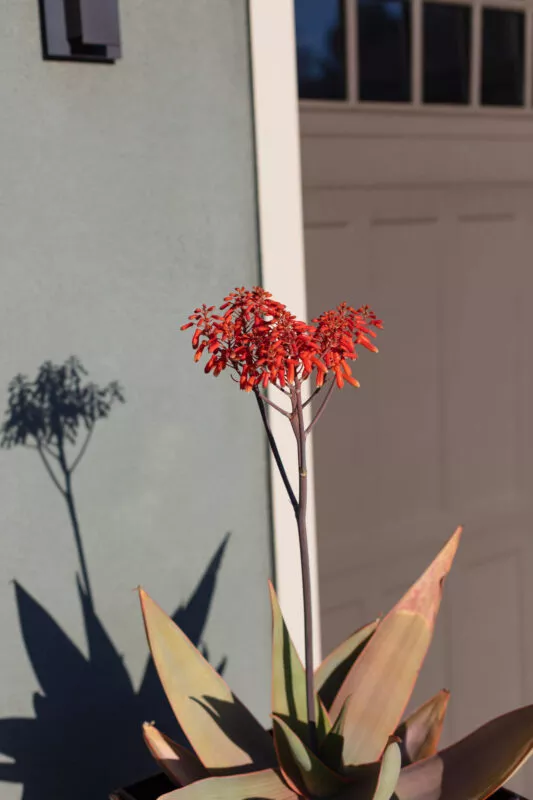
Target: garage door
417, 164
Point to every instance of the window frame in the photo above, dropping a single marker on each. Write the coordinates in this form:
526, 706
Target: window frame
417, 105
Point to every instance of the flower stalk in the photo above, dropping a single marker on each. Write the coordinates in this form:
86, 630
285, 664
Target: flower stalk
299, 505
301, 521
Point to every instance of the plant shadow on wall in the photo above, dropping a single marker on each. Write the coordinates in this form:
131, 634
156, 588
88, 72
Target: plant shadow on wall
86, 728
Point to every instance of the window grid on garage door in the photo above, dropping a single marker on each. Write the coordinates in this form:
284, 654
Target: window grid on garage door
432, 54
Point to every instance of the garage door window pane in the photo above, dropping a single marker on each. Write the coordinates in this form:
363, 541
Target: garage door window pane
384, 50
446, 59
503, 58
320, 37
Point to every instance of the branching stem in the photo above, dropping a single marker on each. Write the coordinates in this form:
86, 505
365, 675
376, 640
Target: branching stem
273, 405
275, 452
312, 396
321, 408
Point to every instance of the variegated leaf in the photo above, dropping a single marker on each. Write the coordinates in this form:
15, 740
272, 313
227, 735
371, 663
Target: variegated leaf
375, 781
332, 672
301, 768
330, 750
266, 785
180, 764
222, 732
382, 679
420, 732
289, 695
476, 766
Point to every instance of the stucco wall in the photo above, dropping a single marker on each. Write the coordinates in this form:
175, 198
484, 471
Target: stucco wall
127, 198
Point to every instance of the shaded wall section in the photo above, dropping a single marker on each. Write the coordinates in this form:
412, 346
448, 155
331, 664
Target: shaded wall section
127, 198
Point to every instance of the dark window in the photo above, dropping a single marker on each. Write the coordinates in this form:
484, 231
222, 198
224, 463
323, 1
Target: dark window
502, 76
320, 37
384, 40
446, 32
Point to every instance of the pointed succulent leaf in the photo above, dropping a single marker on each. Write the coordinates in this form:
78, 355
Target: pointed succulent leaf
375, 781
476, 766
420, 732
191, 618
382, 679
301, 768
266, 784
222, 732
289, 696
332, 672
181, 765
389, 773
330, 750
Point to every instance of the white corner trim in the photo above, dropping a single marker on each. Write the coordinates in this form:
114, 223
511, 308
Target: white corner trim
277, 143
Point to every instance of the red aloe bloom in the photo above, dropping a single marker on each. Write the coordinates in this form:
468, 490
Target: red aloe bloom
264, 343
338, 332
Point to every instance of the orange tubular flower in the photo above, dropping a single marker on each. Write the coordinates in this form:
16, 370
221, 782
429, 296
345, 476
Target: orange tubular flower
264, 343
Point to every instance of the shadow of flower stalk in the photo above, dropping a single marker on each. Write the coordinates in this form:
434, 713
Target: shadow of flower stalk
47, 415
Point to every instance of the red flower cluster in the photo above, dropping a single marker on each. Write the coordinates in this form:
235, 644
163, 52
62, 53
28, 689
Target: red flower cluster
257, 337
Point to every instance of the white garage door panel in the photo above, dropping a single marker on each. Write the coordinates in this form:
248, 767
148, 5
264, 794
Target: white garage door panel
440, 432
412, 159
403, 260
481, 363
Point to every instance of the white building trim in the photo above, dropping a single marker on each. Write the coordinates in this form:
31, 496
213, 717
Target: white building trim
277, 141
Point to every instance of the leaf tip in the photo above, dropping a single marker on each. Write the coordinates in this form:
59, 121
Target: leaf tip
424, 595
443, 562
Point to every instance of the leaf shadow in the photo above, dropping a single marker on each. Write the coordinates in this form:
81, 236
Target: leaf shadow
86, 735
241, 728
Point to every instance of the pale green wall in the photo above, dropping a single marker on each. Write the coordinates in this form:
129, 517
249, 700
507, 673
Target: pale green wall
127, 197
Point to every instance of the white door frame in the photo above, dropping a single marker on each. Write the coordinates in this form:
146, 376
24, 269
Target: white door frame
279, 190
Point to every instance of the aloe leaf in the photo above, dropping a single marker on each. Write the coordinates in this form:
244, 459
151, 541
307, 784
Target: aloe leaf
420, 732
181, 765
289, 695
389, 773
330, 750
332, 672
300, 767
382, 679
223, 733
476, 766
266, 784
375, 781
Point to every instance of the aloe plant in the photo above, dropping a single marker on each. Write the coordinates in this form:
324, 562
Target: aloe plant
338, 731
